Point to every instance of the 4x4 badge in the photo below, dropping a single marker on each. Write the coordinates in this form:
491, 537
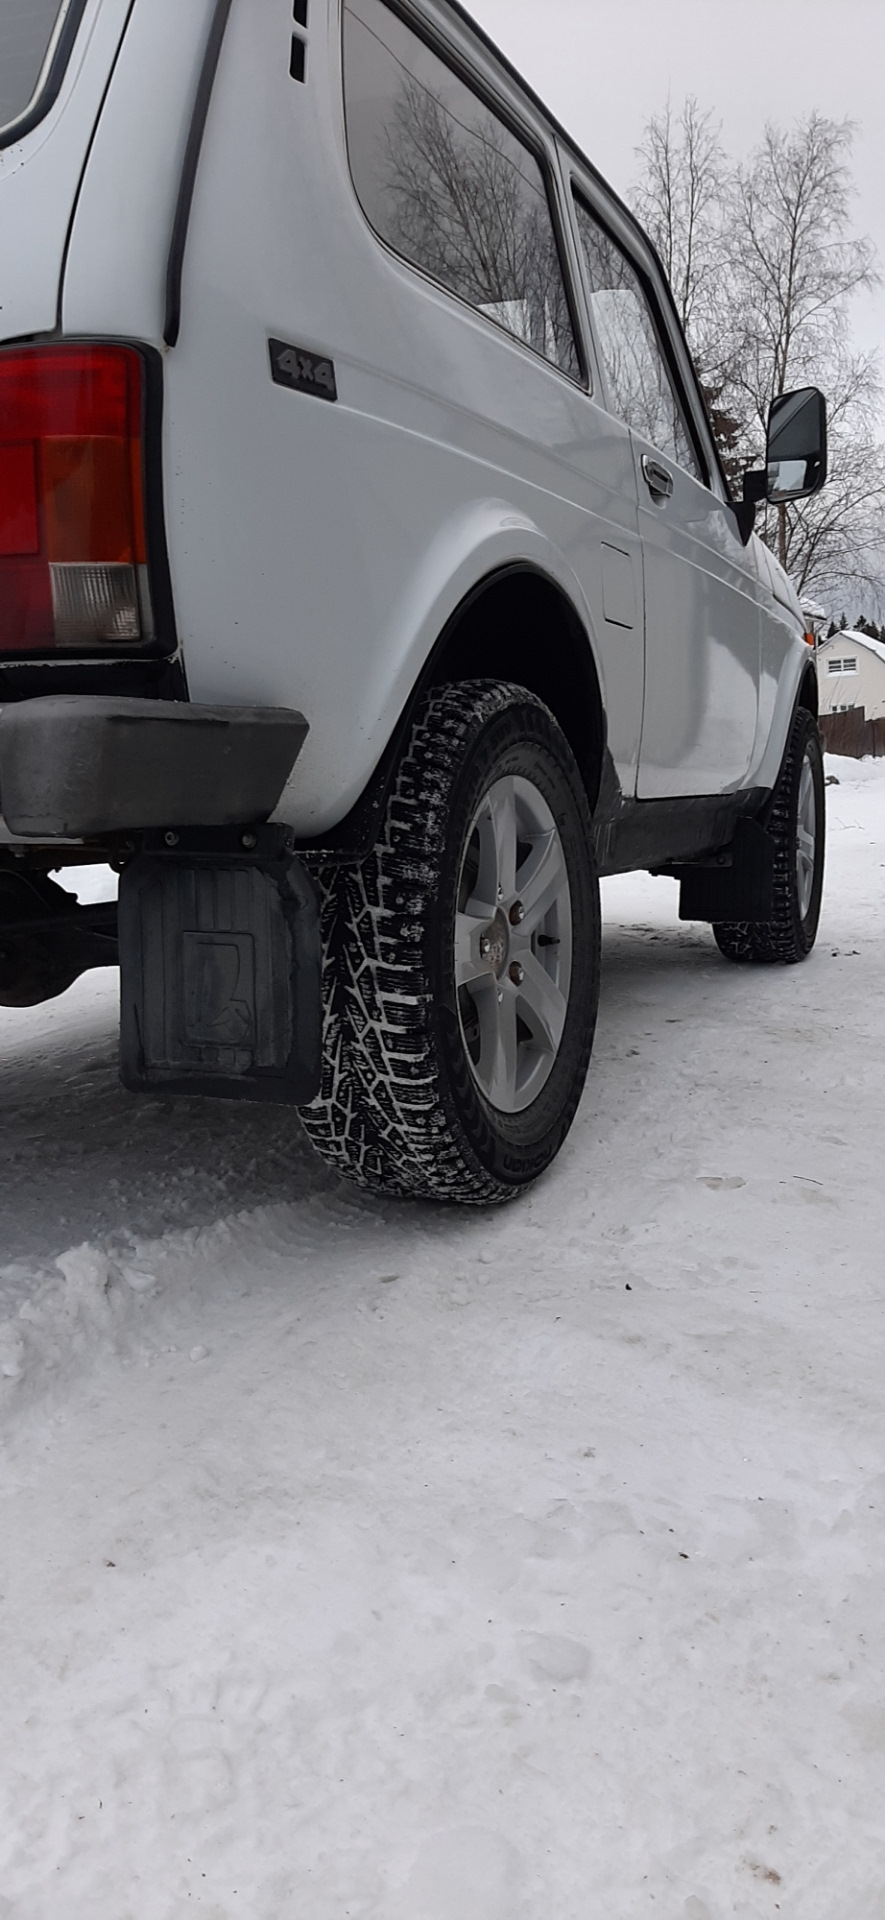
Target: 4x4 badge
306, 372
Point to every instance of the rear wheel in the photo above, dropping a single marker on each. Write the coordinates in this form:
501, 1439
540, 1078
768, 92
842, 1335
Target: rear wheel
796, 825
461, 959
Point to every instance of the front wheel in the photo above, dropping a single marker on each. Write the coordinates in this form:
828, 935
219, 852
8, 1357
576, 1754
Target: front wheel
796, 824
461, 959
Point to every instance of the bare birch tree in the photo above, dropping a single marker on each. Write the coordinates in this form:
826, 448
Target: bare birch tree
680, 199
764, 269
796, 270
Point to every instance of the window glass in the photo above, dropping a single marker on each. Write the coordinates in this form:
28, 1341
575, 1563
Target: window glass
448, 185
638, 378
26, 28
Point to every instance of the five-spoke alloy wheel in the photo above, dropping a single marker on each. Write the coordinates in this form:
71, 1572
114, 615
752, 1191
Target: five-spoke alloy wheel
806, 836
513, 944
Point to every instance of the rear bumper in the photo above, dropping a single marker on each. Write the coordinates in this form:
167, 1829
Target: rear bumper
73, 766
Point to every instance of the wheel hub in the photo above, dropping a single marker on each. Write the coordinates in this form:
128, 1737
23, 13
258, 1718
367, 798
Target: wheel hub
494, 944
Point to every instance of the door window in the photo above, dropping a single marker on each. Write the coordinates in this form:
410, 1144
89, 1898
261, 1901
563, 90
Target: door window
448, 185
26, 29
640, 387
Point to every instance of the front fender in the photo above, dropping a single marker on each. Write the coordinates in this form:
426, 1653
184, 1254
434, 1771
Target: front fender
797, 668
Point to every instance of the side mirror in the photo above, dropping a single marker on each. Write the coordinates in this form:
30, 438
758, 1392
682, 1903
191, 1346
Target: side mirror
796, 449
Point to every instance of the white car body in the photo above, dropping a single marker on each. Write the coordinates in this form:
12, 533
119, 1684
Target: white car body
316, 552
369, 578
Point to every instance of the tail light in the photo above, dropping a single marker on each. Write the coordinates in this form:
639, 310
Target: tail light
73, 547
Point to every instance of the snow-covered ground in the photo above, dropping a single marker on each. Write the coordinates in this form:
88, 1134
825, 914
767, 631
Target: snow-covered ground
388, 1562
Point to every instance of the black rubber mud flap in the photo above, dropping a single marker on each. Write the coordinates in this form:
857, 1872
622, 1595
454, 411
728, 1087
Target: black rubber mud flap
738, 885
220, 969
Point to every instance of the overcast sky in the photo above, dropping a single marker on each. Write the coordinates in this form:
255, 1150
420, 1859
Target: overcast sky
604, 66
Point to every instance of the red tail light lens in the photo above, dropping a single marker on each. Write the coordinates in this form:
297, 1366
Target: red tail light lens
73, 548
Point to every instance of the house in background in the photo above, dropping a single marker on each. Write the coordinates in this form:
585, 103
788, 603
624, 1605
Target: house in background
851, 673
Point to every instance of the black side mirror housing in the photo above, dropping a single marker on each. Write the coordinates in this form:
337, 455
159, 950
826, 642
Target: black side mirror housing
795, 452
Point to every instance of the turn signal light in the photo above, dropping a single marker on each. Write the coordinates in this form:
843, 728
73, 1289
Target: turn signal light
73, 546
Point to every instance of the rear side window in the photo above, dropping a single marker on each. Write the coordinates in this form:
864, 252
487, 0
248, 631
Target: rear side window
642, 391
448, 185
31, 33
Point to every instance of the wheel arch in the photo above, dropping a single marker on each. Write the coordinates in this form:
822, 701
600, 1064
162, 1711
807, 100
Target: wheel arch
797, 688
518, 624
808, 695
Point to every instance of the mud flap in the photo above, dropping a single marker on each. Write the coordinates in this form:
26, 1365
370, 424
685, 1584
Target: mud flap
736, 885
220, 968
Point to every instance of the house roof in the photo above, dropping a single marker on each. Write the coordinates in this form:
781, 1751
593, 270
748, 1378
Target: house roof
855, 639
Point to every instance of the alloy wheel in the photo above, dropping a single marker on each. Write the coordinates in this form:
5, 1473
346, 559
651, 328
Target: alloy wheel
806, 837
513, 944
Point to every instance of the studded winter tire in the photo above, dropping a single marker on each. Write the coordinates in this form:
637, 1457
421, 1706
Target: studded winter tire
461, 959
796, 824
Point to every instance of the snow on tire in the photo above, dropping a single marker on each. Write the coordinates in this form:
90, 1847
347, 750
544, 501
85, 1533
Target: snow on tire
796, 824
461, 959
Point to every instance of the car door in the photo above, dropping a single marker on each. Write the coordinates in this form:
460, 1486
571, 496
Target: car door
457, 186
701, 587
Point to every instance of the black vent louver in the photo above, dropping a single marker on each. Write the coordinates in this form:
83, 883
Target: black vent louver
298, 55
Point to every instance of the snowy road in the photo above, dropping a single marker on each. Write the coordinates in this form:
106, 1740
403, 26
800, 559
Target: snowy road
376, 1561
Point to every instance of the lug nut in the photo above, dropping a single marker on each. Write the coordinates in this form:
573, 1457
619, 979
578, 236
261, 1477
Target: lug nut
516, 974
517, 914
485, 946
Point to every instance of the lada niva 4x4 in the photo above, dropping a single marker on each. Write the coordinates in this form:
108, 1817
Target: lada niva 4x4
369, 580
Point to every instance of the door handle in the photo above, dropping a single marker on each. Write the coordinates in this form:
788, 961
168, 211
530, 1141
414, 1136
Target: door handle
657, 478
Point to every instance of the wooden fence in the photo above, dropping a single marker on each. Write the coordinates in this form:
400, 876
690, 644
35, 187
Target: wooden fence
853, 734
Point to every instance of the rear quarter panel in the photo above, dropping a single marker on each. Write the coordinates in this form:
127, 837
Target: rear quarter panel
317, 550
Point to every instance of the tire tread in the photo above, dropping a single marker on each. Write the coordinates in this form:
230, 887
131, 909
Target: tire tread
380, 1118
785, 938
